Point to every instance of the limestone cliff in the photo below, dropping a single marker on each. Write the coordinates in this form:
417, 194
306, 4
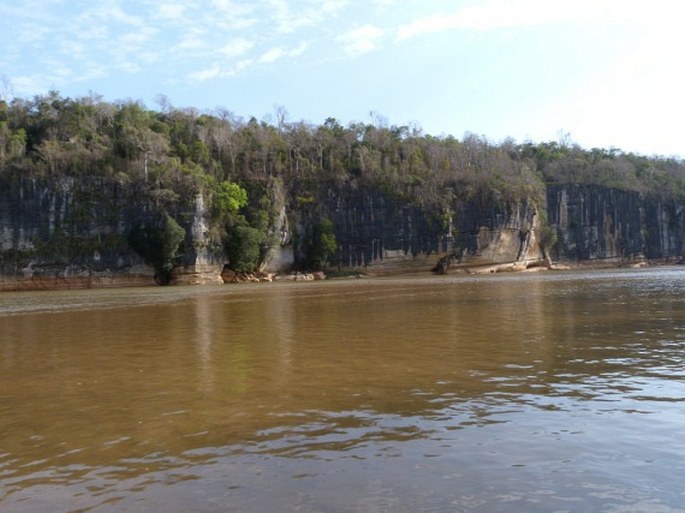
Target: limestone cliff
56, 233
66, 233
381, 234
603, 224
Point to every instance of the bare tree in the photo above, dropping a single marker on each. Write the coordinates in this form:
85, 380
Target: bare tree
6, 90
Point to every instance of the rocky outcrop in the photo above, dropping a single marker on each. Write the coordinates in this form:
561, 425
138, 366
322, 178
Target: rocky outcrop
198, 265
498, 233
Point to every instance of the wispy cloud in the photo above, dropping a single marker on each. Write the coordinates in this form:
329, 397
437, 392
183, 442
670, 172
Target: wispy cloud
31, 84
205, 74
240, 47
172, 11
236, 47
272, 55
137, 38
277, 53
496, 14
93, 32
191, 42
217, 71
231, 15
120, 36
360, 40
241, 66
74, 49
32, 33
289, 20
108, 13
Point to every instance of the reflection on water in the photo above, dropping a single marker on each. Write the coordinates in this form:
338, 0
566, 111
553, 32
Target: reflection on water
546, 392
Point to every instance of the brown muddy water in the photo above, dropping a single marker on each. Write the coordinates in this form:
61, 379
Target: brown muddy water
519, 393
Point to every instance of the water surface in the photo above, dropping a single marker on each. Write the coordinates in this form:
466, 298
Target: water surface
507, 393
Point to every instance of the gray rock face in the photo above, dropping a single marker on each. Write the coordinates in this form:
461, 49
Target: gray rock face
68, 233
60, 229
381, 233
596, 223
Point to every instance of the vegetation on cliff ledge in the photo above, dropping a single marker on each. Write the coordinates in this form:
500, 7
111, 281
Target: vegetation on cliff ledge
169, 156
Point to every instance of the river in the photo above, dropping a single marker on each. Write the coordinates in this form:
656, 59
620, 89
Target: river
545, 392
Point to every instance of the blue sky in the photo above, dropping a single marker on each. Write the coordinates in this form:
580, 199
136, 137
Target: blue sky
604, 73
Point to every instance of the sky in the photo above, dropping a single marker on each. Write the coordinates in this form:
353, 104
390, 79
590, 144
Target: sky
598, 73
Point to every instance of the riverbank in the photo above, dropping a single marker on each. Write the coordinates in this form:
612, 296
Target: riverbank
212, 276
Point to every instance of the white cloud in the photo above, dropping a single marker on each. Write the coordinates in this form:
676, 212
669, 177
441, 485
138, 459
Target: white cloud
190, 42
129, 67
58, 70
280, 11
172, 11
497, 14
298, 50
93, 71
272, 55
31, 84
149, 57
243, 65
108, 13
361, 40
236, 47
230, 15
32, 33
332, 6
92, 32
205, 74
132, 40
313, 13
277, 53
241, 46
72, 49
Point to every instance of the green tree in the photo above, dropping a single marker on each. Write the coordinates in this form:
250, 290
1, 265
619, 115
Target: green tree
548, 238
321, 246
228, 198
243, 246
158, 243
